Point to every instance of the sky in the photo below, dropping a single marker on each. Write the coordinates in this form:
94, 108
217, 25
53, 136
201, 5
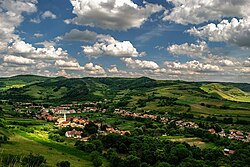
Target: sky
205, 40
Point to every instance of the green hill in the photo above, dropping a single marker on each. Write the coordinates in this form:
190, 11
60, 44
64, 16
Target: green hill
227, 92
19, 81
60, 90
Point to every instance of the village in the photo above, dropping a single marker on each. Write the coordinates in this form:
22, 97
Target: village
55, 114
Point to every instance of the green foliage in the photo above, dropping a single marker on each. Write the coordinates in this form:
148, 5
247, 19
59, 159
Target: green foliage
97, 161
163, 164
132, 161
30, 160
91, 128
63, 164
56, 137
2, 122
227, 92
33, 160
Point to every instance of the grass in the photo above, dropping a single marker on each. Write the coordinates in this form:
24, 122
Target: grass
227, 92
23, 143
5, 132
196, 108
193, 141
12, 86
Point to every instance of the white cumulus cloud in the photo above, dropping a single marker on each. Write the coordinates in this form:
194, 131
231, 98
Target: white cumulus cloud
77, 35
48, 14
112, 14
189, 49
63, 63
108, 46
247, 63
194, 66
141, 64
17, 60
92, 69
199, 11
11, 17
234, 31
27, 50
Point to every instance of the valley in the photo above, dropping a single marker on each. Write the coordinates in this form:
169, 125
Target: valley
116, 121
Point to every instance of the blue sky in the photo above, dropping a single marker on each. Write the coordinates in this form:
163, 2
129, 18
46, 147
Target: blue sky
206, 40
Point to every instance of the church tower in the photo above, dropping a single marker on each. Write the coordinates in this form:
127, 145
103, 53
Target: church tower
64, 116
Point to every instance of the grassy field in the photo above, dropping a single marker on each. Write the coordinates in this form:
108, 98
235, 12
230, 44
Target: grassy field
196, 108
12, 86
227, 92
193, 141
23, 143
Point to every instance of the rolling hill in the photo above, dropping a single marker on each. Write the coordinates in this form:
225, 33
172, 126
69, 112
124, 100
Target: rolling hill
227, 92
60, 89
19, 81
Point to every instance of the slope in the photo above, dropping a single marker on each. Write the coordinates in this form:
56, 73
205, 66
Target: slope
227, 92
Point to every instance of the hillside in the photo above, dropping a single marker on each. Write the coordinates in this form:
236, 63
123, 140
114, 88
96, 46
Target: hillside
60, 89
153, 113
19, 81
227, 92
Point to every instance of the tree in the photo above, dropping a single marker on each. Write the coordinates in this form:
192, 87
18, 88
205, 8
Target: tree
98, 144
132, 161
89, 147
1, 111
228, 120
91, 128
217, 128
163, 164
122, 148
179, 153
63, 164
97, 161
33, 160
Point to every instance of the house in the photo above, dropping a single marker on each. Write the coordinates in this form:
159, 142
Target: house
212, 131
74, 134
85, 138
240, 133
61, 120
228, 152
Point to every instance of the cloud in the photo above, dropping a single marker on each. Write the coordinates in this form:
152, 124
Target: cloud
38, 35
46, 44
108, 46
193, 66
17, 60
48, 14
27, 50
21, 47
105, 45
114, 70
63, 63
77, 35
192, 50
92, 69
195, 12
11, 17
141, 64
111, 14
36, 20
244, 70
235, 32
18, 7
247, 63
226, 62
42, 16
